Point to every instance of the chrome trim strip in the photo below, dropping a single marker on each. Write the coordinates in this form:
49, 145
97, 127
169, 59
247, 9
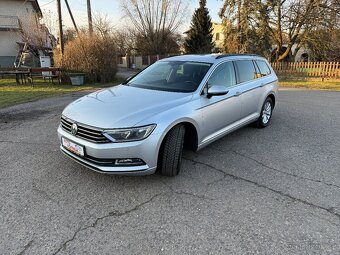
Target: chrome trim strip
109, 137
82, 124
260, 86
202, 107
110, 170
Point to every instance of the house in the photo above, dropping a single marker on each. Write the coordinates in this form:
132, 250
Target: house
22, 38
302, 54
218, 36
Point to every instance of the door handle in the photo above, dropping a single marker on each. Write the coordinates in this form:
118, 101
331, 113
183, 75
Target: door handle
237, 93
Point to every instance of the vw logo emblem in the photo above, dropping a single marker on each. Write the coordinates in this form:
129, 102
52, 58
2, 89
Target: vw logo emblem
74, 129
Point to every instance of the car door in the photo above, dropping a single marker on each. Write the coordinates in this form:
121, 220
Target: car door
220, 111
250, 87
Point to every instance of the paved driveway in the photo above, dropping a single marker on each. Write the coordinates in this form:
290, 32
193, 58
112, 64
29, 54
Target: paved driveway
271, 191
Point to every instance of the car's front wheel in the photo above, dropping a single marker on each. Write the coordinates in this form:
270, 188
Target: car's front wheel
170, 156
266, 113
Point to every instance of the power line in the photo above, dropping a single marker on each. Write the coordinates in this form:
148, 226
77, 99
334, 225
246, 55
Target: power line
47, 3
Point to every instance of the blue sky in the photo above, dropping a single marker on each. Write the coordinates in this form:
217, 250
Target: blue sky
112, 9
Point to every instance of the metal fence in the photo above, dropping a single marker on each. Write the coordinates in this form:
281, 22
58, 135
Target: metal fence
139, 62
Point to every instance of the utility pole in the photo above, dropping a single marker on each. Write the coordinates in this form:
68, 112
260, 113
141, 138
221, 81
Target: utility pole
89, 15
61, 34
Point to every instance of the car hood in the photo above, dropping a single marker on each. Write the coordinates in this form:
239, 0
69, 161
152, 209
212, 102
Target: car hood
122, 106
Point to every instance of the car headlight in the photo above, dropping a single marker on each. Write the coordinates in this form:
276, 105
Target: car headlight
129, 134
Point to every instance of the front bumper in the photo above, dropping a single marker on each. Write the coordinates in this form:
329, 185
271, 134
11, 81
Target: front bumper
147, 150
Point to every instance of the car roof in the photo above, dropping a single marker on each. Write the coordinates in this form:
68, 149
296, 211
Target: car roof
211, 58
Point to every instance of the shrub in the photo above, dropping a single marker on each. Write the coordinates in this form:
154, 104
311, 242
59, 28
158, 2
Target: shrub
93, 55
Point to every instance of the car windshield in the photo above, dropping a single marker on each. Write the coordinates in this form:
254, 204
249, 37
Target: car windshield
175, 76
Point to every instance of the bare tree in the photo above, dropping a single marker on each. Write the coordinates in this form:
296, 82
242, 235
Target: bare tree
292, 20
286, 22
102, 24
69, 34
155, 20
32, 31
125, 40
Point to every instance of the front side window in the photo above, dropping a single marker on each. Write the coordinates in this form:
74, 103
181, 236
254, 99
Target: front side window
223, 75
246, 70
175, 76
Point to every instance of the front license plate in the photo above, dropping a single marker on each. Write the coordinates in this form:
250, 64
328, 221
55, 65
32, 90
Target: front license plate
73, 147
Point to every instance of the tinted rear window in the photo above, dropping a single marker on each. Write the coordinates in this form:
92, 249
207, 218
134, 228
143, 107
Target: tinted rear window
246, 70
264, 69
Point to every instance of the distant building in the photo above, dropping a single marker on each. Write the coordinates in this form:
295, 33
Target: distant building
22, 38
218, 36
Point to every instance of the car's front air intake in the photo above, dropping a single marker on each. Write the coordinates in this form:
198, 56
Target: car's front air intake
83, 131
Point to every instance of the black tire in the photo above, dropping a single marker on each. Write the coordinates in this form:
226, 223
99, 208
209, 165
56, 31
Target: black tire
170, 156
261, 121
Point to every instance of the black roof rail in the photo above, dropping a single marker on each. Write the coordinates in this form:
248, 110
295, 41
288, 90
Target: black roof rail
171, 56
232, 55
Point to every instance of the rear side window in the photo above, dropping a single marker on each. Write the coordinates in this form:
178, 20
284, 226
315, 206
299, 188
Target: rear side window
264, 69
246, 70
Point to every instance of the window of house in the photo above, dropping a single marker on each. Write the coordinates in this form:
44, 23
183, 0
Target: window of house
217, 36
246, 70
223, 75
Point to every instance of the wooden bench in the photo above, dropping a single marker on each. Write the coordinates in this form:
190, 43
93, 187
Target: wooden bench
50, 73
22, 74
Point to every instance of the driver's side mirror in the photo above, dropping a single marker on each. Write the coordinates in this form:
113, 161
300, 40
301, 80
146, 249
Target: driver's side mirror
217, 90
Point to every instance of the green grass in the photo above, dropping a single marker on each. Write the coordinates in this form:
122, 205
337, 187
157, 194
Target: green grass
311, 84
11, 93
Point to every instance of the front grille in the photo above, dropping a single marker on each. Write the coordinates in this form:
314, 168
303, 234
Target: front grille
84, 132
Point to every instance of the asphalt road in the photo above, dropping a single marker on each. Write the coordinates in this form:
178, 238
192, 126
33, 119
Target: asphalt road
256, 191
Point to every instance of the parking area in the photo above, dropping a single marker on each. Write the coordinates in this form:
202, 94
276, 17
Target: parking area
255, 191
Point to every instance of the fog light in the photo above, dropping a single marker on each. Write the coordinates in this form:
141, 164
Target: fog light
129, 162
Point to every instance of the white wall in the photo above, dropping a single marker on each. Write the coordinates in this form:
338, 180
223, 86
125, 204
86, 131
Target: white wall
29, 20
8, 45
23, 9
298, 56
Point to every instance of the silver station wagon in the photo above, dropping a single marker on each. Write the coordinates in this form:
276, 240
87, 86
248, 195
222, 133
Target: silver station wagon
189, 101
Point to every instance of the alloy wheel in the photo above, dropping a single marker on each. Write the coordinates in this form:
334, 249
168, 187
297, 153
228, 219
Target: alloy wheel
266, 113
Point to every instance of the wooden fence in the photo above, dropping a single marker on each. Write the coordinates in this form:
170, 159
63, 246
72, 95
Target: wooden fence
308, 69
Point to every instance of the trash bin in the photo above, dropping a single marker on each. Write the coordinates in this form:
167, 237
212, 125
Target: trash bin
77, 79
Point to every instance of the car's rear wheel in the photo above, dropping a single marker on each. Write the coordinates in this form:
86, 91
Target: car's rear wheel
266, 113
170, 157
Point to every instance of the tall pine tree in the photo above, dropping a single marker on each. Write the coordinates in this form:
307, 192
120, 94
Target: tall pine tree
199, 38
